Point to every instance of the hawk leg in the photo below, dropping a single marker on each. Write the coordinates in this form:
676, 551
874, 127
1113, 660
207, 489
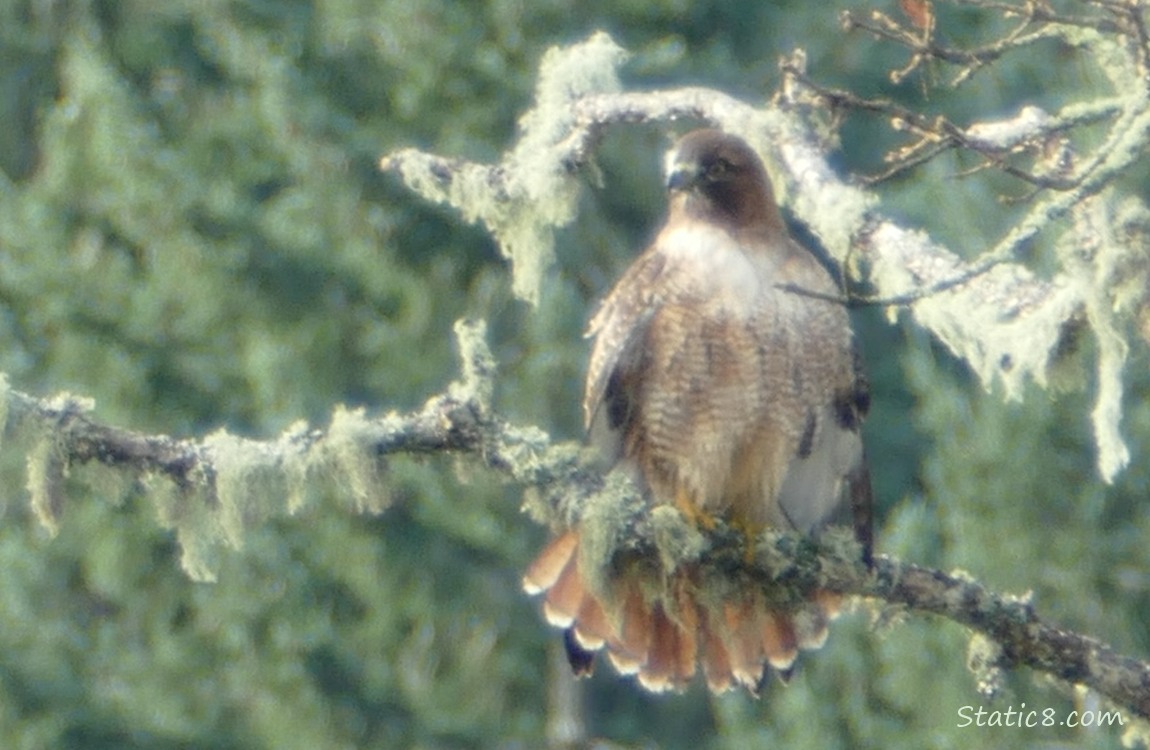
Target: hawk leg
692, 512
750, 532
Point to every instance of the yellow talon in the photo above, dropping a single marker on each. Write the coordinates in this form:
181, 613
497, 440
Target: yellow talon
750, 533
691, 511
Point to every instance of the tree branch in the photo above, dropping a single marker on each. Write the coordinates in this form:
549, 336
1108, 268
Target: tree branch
567, 488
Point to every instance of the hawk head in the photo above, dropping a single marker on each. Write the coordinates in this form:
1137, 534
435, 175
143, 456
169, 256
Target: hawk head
717, 176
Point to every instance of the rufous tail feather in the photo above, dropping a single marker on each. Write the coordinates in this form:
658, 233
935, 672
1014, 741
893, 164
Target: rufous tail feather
662, 637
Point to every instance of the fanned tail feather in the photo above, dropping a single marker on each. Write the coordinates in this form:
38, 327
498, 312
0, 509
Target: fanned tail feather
661, 639
673, 652
550, 563
628, 650
716, 660
780, 644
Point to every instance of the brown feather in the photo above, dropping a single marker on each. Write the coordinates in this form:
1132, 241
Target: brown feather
831, 602
744, 646
659, 672
592, 628
629, 652
563, 600
550, 562
687, 625
716, 660
780, 644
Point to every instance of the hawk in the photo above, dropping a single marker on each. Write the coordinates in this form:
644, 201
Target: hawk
724, 376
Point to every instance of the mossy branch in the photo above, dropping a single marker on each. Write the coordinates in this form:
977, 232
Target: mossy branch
1009, 325
213, 500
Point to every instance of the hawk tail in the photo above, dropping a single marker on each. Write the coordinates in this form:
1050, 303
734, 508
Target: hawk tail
660, 639
744, 640
641, 637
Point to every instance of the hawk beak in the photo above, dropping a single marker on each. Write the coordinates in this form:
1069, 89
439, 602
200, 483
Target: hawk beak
682, 176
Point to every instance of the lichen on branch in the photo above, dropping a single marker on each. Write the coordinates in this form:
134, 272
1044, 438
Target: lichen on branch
213, 490
531, 192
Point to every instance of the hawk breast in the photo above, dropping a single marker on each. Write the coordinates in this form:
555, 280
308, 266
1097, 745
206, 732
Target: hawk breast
711, 380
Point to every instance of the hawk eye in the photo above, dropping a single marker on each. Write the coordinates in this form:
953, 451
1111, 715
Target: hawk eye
718, 169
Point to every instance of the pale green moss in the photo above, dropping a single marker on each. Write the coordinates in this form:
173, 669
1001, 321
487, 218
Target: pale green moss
532, 193
676, 541
199, 538
607, 520
45, 483
250, 485
189, 511
478, 365
349, 455
46, 467
983, 657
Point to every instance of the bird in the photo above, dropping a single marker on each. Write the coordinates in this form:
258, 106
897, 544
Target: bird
725, 378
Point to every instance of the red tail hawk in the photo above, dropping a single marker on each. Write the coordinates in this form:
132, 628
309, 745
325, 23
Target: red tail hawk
731, 396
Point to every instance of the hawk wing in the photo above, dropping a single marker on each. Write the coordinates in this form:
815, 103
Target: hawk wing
833, 467
619, 328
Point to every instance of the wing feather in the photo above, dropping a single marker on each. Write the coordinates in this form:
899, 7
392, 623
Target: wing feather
619, 328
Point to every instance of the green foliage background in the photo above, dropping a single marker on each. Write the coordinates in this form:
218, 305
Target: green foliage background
193, 230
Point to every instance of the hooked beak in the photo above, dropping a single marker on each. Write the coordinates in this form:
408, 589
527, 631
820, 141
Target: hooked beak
682, 176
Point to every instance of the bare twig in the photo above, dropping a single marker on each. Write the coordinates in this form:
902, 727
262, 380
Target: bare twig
995, 142
1037, 22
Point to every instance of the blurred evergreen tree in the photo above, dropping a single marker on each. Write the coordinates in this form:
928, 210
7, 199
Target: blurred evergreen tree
193, 231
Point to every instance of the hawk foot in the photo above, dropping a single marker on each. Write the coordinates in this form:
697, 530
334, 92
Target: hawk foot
692, 512
750, 532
